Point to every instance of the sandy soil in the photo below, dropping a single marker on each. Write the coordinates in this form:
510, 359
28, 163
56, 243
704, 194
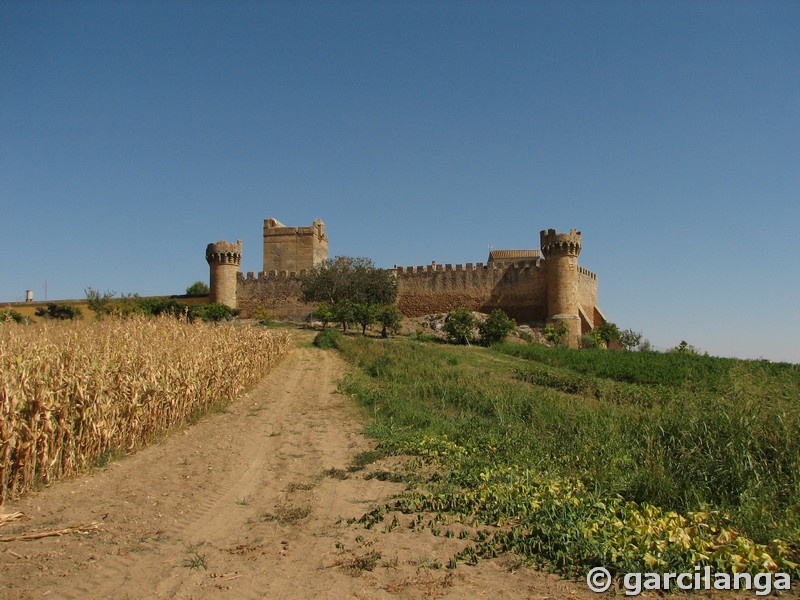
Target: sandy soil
250, 503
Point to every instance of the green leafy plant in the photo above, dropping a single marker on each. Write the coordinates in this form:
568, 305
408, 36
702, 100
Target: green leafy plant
555, 331
606, 333
459, 326
212, 313
496, 327
196, 561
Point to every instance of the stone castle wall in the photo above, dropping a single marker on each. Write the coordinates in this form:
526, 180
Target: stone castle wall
529, 285
519, 289
278, 292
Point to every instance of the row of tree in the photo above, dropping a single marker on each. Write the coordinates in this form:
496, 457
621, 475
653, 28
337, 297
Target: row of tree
353, 291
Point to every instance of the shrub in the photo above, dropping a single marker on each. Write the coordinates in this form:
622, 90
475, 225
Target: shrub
213, 313
328, 338
589, 342
685, 348
61, 312
606, 333
553, 332
459, 325
496, 327
265, 317
12, 315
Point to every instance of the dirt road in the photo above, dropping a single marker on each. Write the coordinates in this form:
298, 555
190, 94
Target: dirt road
249, 503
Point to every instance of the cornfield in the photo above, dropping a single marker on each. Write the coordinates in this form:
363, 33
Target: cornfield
73, 393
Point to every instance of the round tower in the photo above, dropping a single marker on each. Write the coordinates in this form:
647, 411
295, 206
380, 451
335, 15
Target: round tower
561, 251
224, 259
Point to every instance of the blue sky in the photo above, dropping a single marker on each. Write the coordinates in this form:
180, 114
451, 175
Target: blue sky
132, 134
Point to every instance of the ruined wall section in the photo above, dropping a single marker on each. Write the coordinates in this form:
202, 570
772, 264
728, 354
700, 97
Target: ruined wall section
278, 292
518, 289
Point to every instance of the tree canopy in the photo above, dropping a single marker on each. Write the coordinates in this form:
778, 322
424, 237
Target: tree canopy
356, 280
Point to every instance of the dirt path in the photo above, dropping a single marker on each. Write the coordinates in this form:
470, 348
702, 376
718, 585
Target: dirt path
251, 503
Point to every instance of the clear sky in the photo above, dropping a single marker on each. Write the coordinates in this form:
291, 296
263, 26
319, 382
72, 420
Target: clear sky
134, 133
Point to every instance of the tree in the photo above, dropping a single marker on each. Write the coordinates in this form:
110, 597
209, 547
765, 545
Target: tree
629, 338
459, 325
389, 318
99, 303
365, 315
325, 313
344, 313
354, 279
496, 327
198, 288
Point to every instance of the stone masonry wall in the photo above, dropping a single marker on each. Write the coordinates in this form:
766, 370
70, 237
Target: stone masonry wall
277, 292
293, 248
518, 289
587, 293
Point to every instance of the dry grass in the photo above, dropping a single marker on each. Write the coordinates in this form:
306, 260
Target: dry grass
75, 392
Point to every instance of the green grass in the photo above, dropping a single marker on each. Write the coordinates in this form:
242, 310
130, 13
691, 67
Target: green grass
573, 446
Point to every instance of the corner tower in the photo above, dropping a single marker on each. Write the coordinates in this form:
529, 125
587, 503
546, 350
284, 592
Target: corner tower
293, 249
561, 252
223, 260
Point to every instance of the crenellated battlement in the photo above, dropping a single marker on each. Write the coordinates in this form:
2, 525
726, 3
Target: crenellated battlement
294, 248
492, 266
270, 275
529, 285
554, 243
224, 253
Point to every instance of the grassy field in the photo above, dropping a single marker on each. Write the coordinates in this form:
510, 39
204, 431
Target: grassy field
74, 393
572, 459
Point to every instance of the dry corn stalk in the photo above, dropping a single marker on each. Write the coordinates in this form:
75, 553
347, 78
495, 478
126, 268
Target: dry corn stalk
73, 392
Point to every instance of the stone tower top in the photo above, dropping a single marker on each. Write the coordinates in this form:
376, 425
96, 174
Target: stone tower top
294, 248
553, 243
223, 252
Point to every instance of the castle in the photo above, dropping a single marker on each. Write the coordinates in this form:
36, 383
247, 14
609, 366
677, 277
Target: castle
529, 285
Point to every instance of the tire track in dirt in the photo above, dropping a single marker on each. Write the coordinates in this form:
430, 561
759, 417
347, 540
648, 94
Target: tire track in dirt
184, 516
251, 503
